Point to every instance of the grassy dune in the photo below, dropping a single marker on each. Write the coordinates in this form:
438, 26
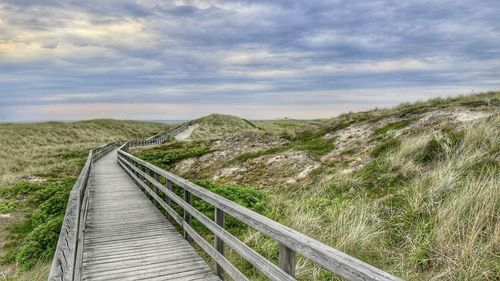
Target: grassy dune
38, 167
54, 148
218, 125
423, 204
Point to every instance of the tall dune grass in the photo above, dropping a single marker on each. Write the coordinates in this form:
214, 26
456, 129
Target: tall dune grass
55, 148
440, 220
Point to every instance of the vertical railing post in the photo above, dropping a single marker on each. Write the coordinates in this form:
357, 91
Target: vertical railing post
287, 260
150, 184
219, 244
187, 217
157, 178
169, 200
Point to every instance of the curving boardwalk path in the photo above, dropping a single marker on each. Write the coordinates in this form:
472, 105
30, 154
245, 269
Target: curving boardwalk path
128, 238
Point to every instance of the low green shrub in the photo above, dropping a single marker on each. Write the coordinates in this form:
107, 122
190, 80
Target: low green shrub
251, 155
166, 156
391, 127
433, 151
385, 147
40, 243
35, 238
311, 141
7, 206
247, 197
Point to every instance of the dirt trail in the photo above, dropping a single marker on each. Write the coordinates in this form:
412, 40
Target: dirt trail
184, 135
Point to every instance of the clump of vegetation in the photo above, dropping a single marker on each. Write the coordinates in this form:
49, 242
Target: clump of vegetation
433, 151
386, 146
34, 239
7, 206
392, 127
165, 156
251, 155
285, 126
247, 197
310, 140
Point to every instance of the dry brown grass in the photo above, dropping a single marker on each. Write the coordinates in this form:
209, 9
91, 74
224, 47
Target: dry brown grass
54, 148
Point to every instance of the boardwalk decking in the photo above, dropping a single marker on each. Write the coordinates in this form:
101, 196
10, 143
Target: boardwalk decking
128, 238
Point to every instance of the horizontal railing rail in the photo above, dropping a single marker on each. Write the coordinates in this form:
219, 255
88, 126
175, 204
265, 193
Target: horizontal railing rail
158, 138
66, 264
150, 177
67, 257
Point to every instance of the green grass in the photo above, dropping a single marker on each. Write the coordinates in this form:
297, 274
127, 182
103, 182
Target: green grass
392, 127
56, 148
425, 205
245, 196
217, 126
34, 239
251, 155
387, 146
311, 140
55, 153
7, 206
282, 126
165, 156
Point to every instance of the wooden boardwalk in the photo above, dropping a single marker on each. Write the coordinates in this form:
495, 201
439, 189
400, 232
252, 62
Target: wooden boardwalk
112, 230
128, 238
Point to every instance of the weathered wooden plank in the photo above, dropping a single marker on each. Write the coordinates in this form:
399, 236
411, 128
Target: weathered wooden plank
172, 213
67, 257
127, 237
219, 258
264, 265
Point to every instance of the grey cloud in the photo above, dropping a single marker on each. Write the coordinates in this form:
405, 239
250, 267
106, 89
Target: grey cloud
167, 53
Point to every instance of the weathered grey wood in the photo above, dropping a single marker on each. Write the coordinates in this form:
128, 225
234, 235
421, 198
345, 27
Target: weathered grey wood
157, 178
331, 259
287, 259
67, 256
171, 212
128, 238
219, 244
219, 258
187, 217
169, 201
265, 266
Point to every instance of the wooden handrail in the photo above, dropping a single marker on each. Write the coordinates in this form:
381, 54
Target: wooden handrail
290, 241
66, 263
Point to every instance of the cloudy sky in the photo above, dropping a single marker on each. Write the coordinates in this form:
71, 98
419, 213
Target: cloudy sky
148, 59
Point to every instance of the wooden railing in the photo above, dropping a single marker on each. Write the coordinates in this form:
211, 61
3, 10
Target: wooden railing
158, 138
66, 263
153, 179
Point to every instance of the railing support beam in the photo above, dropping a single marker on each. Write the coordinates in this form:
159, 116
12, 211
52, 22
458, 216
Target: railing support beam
287, 260
219, 244
169, 200
187, 217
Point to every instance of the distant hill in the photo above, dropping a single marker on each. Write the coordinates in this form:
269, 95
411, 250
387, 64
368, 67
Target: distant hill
218, 125
45, 148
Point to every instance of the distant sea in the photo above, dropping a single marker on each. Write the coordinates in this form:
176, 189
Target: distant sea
175, 122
